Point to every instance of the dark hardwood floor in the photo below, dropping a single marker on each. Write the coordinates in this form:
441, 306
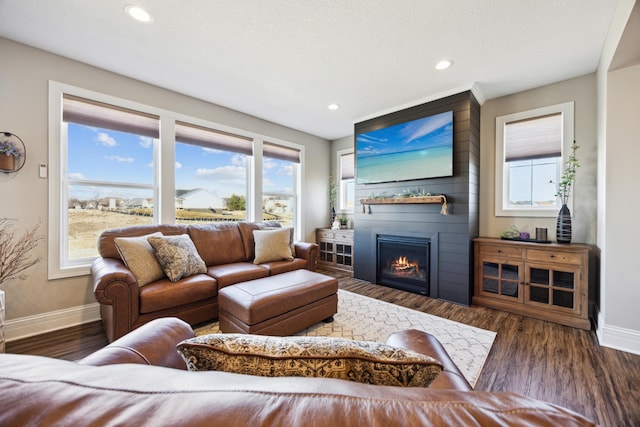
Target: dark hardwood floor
538, 359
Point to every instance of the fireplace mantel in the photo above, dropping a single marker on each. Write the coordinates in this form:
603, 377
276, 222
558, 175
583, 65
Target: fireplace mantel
403, 200
440, 199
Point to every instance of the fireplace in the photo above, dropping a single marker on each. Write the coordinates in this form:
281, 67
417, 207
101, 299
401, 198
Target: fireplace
402, 262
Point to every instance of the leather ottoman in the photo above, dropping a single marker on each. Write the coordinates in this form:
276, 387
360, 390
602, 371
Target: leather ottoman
278, 305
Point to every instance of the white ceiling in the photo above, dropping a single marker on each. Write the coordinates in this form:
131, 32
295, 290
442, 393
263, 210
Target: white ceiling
286, 60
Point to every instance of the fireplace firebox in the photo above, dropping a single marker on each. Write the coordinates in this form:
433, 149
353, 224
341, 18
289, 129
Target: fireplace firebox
403, 262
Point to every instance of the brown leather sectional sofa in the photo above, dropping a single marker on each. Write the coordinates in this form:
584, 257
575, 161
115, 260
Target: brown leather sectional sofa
226, 248
112, 387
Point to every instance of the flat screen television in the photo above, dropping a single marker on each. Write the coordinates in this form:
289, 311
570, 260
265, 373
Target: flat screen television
418, 149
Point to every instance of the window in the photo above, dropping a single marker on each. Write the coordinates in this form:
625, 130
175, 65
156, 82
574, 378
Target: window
115, 163
107, 173
211, 174
530, 149
346, 172
280, 183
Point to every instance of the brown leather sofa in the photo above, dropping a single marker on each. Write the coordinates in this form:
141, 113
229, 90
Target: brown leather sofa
111, 387
228, 251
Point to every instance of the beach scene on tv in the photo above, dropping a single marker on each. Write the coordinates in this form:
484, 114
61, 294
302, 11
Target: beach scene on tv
418, 149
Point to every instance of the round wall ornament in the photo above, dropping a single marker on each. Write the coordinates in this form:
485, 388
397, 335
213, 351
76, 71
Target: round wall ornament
13, 153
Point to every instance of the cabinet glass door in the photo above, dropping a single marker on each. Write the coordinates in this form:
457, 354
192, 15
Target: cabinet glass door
553, 287
343, 254
326, 251
501, 279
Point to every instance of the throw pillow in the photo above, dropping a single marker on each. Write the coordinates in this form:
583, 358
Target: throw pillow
328, 357
292, 244
272, 245
137, 254
178, 256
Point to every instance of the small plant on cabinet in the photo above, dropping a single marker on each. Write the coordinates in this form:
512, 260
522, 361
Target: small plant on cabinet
564, 187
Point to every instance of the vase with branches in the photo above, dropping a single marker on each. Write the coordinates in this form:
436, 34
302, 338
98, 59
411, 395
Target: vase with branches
563, 191
15, 258
564, 187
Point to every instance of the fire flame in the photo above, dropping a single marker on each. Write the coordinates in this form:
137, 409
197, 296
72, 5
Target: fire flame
402, 264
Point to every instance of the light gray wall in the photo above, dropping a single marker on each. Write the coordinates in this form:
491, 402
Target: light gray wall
581, 90
618, 323
24, 77
621, 290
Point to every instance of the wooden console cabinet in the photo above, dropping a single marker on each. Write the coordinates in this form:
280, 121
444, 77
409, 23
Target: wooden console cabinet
336, 248
545, 281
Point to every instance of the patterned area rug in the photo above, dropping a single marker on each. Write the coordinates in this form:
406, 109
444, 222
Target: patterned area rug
368, 319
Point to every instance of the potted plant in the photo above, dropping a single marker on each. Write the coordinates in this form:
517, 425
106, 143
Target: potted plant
9, 151
343, 222
563, 191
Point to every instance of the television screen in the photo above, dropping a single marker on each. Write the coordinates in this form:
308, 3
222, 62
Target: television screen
419, 149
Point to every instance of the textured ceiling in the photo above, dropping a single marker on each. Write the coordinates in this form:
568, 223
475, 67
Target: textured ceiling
286, 60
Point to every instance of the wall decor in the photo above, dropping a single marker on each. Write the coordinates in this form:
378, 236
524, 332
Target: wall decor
415, 149
13, 153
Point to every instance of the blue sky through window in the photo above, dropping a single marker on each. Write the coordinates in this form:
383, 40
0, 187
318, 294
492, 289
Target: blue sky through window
112, 156
119, 157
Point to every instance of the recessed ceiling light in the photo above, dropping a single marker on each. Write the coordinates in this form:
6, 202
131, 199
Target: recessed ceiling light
333, 106
444, 64
138, 13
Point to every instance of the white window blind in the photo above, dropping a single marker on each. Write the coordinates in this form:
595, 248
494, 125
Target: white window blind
279, 152
105, 116
535, 138
212, 138
347, 166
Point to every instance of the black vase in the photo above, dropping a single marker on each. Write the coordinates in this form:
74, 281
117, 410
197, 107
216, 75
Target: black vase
563, 225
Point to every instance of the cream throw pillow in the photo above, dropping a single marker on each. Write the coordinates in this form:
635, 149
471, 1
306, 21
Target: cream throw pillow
272, 245
178, 256
292, 243
293, 356
139, 257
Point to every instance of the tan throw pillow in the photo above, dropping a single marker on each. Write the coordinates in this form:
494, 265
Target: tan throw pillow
292, 243
139, 257
359, 361
272, 245
178, 256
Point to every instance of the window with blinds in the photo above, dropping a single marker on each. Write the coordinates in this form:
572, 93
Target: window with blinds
529, 159
533, 138
96, 114
211, 175
213, 139
109, 172
280, 183
347, 183
114, 162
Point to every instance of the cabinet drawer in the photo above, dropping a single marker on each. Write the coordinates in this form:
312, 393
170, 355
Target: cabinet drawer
343, 237
500, 251
325, 234
553, 256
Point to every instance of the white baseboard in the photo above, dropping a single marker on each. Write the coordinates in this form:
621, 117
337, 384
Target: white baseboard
618, 338
51, 321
